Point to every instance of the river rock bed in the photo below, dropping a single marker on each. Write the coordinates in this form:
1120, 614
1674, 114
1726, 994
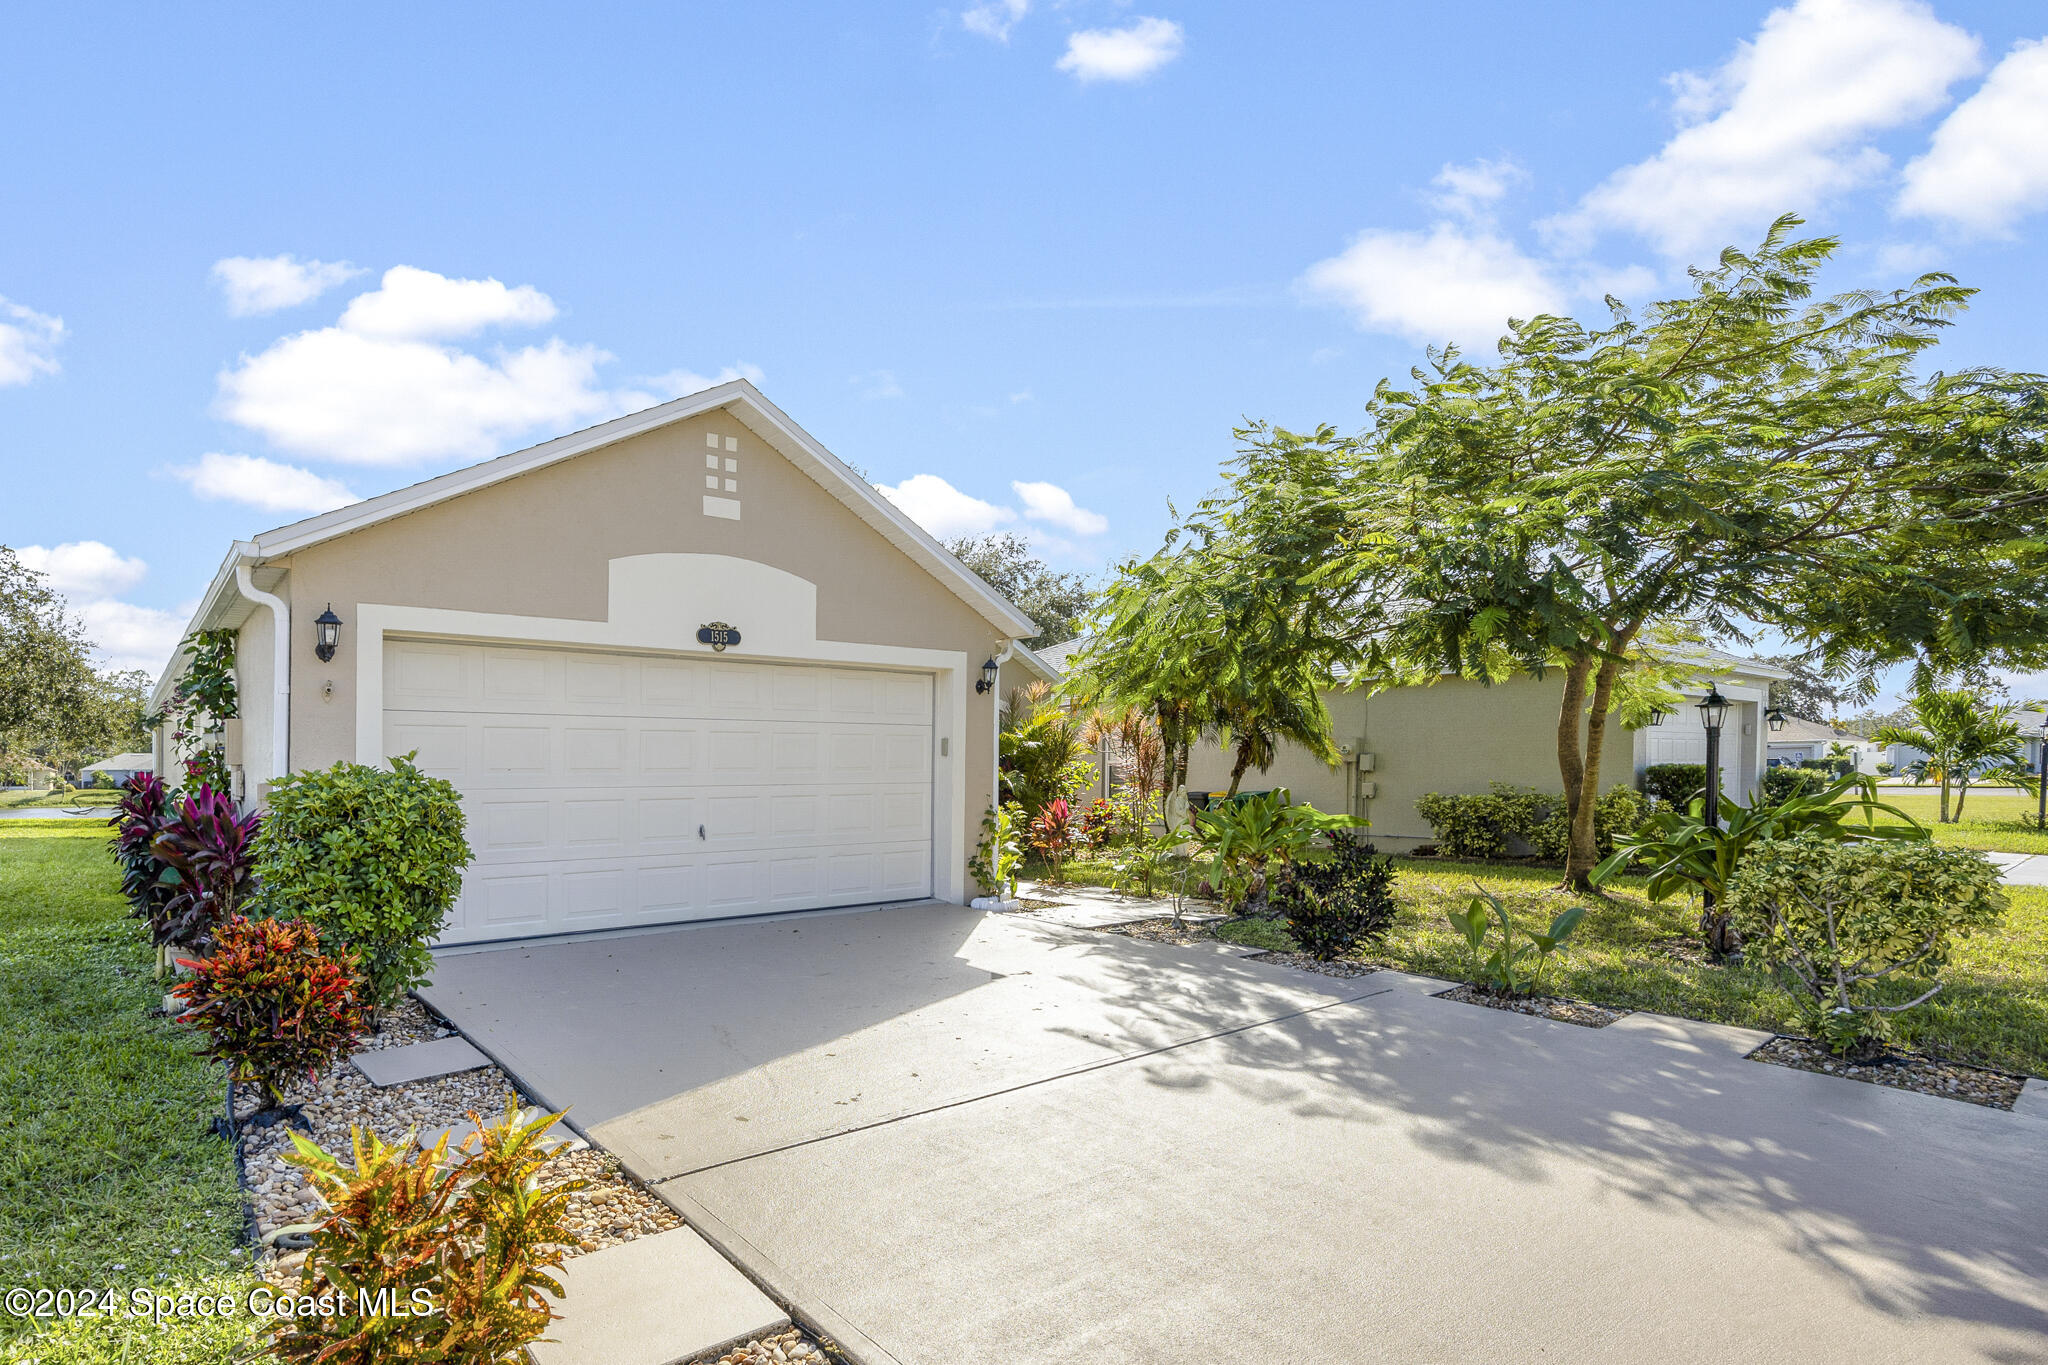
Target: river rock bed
1543, 1006
611, 1209
1901, 1071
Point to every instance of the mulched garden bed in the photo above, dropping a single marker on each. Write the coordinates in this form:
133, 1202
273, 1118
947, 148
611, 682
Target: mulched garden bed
1543, 1006
1344, 967
1901, 1071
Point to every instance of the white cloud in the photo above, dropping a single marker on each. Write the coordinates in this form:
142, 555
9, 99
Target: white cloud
1472, 189
28, 342
1054, 505
264, 284
1782, 125
1987, 164
88, 573
415, 303
1452, 283
84, 568
127, 636
263, 484
1130, 53
994, 18
879, 384
372, 400
944, 510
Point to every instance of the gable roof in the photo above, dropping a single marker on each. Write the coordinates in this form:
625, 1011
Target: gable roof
739, 397
1799, 730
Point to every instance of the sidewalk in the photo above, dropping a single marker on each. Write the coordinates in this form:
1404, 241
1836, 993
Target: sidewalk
2022, 869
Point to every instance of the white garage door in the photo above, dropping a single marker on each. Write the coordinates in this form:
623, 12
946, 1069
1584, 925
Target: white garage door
610, 790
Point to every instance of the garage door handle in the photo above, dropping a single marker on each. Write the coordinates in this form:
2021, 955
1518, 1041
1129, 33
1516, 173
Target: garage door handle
700, 831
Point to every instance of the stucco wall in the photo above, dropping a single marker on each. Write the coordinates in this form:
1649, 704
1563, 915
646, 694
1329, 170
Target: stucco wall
541, 545
1450, 736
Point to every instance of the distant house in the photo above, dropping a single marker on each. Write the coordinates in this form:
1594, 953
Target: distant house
118, 769
1455, 735
1801, 741
2031, 722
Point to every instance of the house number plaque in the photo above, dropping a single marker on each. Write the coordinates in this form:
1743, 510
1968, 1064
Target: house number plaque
718, 635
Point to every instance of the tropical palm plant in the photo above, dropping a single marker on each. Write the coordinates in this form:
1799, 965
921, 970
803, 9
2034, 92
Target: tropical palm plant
1966, 738
1041, 749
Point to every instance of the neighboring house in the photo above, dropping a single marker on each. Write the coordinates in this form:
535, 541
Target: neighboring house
683, 665
118, 769
1802, 740
2032, 722
1460, 736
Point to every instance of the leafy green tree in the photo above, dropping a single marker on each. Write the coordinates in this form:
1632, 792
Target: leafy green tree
1967, 738
1220, 632
1742, 456
1809, 693
1057, 601
45, 675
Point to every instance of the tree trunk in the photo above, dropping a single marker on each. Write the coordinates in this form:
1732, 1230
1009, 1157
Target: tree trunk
1571, 762
1244, 761
1584, 852
1962, 796
1944, 798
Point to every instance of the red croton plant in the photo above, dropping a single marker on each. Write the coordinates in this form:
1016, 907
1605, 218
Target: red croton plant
273, 1004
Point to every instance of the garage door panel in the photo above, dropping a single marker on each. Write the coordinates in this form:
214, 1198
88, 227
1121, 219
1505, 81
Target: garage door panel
608, 790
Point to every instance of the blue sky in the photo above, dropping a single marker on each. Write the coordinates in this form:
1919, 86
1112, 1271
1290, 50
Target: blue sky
1026, 263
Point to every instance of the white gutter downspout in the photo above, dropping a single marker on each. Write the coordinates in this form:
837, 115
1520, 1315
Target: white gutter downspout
281, 661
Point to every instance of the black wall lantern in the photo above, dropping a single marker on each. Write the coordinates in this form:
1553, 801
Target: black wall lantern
1659, 714
1775, 718
987, 681
329, 627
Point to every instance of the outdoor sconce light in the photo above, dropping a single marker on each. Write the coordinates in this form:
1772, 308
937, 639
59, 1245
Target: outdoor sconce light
1713, 709
1775, 718
1659, 714
329, 627
987, 681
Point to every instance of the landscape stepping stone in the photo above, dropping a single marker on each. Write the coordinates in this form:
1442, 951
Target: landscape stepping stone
654, 1301
388, 1066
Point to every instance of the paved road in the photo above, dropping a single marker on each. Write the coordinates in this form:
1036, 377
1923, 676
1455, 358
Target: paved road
947, 1136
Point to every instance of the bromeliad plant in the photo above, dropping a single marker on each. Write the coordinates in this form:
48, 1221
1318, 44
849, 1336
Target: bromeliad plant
209, 862
1502, 968
469, 1245
272, 1003
1839, 919
1242, 839
1683, 854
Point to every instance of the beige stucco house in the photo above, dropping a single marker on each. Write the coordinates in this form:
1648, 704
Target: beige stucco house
545, 629
1455, 735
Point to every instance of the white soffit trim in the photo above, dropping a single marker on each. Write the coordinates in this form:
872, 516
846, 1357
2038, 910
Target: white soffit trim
748, 404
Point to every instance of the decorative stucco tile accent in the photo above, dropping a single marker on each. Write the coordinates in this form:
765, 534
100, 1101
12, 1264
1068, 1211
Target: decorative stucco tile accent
711, 439
711, 482
732, 443
732, 485
732, 466
711, 462
729, 508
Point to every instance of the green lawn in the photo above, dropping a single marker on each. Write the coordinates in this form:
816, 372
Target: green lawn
2001, 822
24, 800
1631, 953
108, 1174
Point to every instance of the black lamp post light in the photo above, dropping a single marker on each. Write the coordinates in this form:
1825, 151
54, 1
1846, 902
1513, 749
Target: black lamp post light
1713, 709
328, 634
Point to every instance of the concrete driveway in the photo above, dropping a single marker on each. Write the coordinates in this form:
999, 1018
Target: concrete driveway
944, 1136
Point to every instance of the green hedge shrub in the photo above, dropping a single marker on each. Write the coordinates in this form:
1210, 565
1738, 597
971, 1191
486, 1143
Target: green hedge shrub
1838, 918
373, 857
1332, 907
1784, 782
1481, 824
1616, 815
1674, 783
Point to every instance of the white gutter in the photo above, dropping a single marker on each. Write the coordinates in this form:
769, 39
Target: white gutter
281, 659
995, 739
